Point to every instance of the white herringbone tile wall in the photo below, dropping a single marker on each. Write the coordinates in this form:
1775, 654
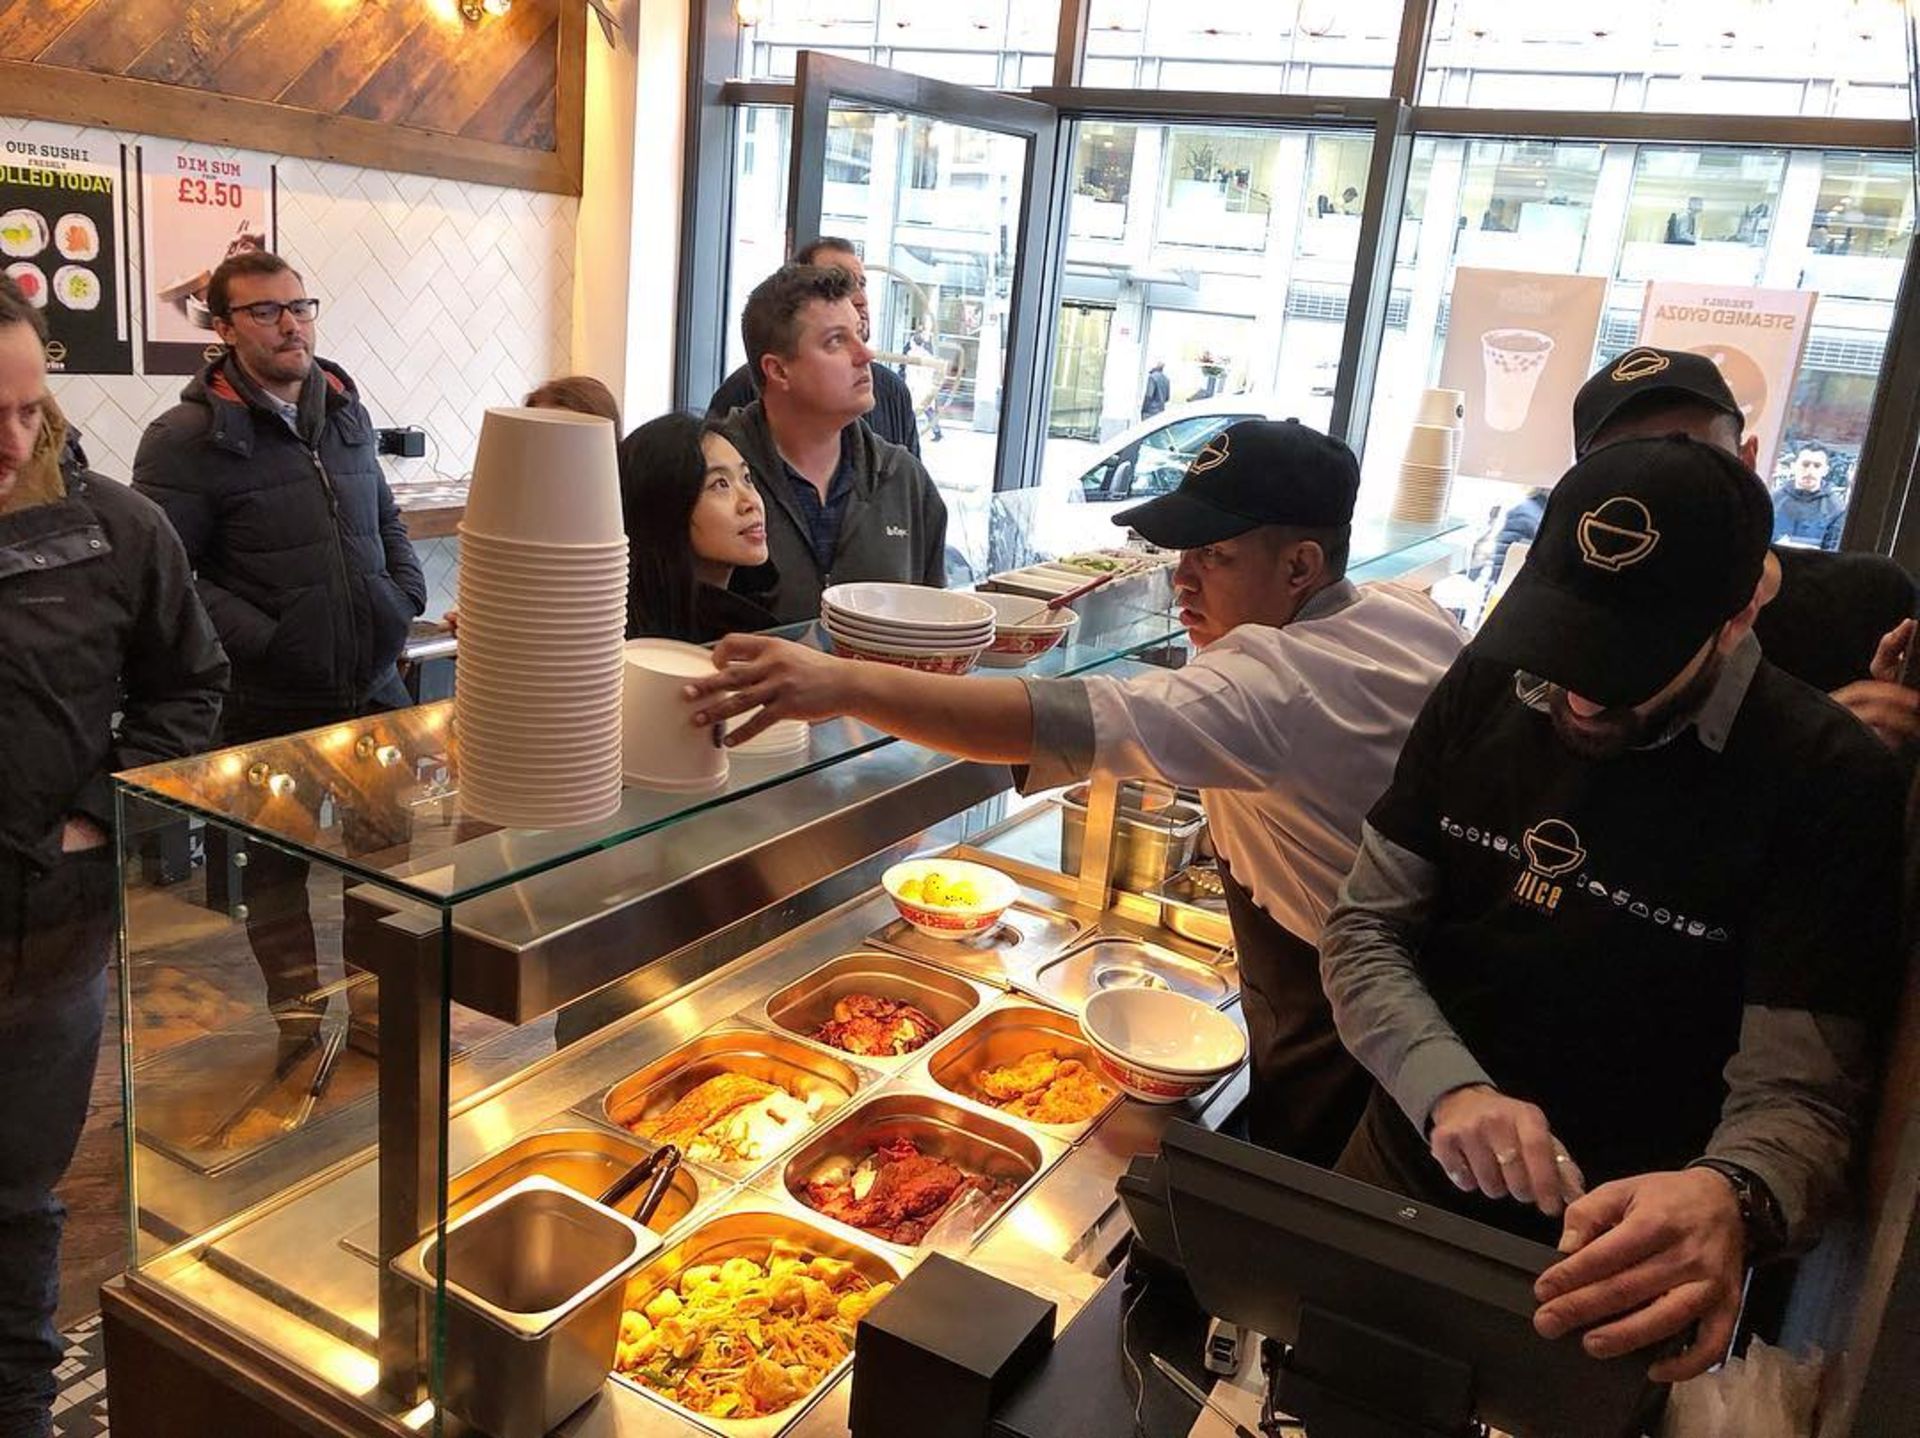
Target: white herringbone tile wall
440, 298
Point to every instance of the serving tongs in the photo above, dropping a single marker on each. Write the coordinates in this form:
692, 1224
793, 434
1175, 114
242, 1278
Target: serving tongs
331, 1049
659, 1166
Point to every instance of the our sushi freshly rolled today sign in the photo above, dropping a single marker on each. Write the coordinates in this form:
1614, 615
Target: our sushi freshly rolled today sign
198, 205
63, 242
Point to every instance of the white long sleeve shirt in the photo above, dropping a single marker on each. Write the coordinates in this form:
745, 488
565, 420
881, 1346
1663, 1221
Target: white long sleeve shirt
1290, 734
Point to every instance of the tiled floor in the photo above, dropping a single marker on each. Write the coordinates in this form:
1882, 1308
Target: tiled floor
81, 1409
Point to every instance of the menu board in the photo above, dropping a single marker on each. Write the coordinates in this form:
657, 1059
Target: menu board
63, 229
197, 207
1519, 346
1757, 338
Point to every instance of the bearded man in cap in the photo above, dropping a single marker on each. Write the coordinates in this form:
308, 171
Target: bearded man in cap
1624, 916
1842, 622
1287, 721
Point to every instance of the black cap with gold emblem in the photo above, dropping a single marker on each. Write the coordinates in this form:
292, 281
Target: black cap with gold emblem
1641, 373
1646, 548
1259, 471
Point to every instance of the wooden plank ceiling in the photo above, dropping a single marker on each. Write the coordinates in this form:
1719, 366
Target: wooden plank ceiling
400, 62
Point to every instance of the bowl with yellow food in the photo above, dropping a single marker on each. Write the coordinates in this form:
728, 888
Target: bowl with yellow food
949, 898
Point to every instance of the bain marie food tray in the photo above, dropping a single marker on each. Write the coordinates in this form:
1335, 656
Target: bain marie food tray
1010, 1031
800, 1009
1109, 962
977, 1141
1027, 936
584, 1157
803, 1070
747, 1228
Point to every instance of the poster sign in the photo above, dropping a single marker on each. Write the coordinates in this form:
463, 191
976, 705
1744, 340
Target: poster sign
63, 240
1519, 346
197, 207
1757, 338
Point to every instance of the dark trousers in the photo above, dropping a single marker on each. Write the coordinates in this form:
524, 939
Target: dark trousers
274, 887
57, 930
1305, 1091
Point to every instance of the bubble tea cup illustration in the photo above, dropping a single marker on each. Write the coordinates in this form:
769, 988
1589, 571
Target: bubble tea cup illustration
1513, 360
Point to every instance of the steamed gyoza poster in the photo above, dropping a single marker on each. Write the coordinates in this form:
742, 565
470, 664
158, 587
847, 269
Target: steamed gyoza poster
63, 241
198, 205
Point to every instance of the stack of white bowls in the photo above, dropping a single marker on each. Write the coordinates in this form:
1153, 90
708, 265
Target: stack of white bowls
1432, 458
937, 631
543, 613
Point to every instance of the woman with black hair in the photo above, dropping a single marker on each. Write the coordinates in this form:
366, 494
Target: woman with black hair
693, 516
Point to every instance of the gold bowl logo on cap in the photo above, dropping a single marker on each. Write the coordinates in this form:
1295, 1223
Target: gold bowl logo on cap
1639, 364
1212, 457
1617, 534
1553, 848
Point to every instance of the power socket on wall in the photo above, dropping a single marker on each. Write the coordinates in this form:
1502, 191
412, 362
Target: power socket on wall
406, 442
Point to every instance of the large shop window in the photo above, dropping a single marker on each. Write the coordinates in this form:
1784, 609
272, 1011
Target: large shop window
1722, 223
1205, 281
1278, 47
1734, 57
997, 44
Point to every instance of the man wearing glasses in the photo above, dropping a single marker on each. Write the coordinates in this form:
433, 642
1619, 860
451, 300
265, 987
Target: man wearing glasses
267, 468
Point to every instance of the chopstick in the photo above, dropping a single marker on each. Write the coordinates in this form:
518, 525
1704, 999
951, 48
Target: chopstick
1192, 1390
1079, 591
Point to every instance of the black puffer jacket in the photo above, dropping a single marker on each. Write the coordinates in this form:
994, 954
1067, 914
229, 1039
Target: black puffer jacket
97, 618
297, 544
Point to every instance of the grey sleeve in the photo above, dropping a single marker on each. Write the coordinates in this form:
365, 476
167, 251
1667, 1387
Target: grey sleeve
1063, 738
1795, 1088
1385, 1015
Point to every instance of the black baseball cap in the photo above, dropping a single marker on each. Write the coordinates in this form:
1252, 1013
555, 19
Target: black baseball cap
1642, 372
1646, 548
1259, 471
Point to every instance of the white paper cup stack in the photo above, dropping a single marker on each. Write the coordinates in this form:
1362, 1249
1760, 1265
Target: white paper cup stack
661, 749
1432, 458
1448, 409
543, 615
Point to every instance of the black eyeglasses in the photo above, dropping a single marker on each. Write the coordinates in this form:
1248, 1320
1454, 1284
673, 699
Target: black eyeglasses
268, 312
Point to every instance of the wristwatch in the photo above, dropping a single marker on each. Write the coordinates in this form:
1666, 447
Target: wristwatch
1760, 1211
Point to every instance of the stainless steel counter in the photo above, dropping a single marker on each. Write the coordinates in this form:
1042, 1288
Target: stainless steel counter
294, 1271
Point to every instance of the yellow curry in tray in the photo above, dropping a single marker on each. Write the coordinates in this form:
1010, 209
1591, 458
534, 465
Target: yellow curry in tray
745, 1339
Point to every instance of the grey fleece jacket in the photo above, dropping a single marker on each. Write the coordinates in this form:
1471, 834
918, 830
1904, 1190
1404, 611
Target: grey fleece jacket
894, 528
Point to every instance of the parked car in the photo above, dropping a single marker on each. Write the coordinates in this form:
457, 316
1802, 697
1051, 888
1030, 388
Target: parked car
1082, 487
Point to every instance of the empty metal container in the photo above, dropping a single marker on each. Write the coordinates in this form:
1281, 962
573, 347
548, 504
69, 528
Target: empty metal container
534, 1282
1122, 963
1149, 846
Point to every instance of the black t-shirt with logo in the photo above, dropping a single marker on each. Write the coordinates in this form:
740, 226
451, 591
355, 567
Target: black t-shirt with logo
1600, 925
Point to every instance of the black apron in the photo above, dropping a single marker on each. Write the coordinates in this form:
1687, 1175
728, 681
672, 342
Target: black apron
1306, 1091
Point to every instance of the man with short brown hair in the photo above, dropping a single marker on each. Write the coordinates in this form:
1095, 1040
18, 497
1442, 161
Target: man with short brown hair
842, 503
894, 416
268, 469
98, 615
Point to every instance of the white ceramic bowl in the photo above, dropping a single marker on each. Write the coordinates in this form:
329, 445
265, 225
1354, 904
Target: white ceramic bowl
915, 606
546, 476
907, 638
951, 921
1016, 643
948, 661
1161, 1046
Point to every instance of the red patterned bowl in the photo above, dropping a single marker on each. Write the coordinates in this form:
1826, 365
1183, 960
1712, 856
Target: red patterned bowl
951, 921
959, 661
1160, 1046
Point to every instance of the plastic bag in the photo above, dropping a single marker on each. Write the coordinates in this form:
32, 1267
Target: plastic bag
1766, 1394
